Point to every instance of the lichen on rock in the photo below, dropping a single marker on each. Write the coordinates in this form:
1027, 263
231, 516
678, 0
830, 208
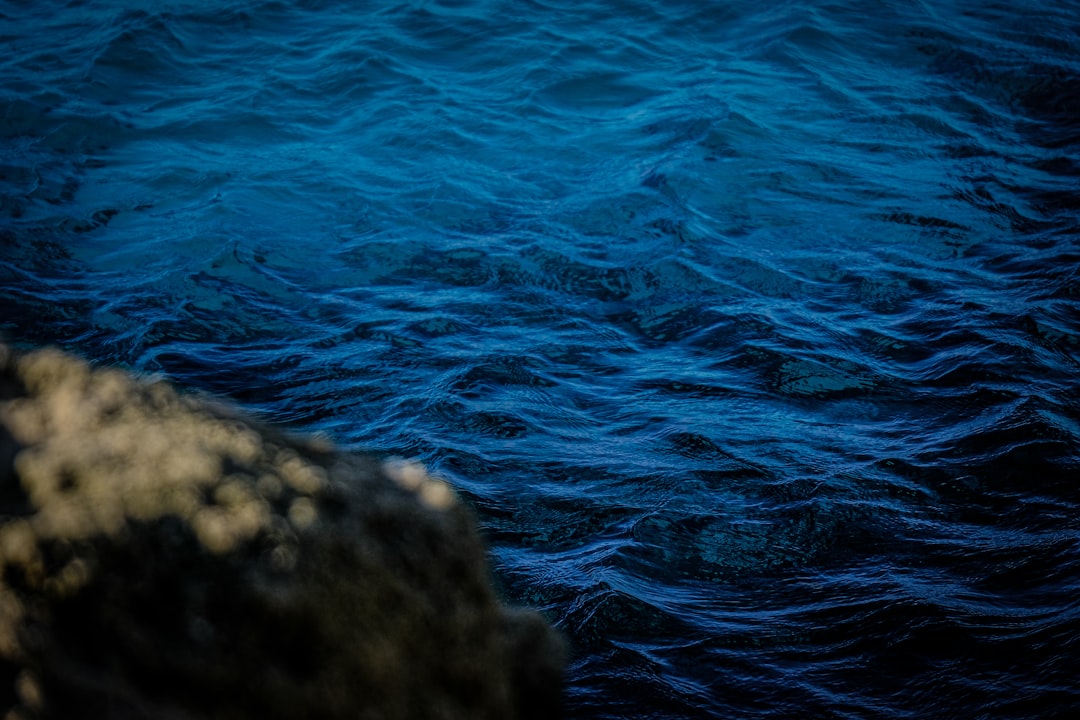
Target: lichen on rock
162, 555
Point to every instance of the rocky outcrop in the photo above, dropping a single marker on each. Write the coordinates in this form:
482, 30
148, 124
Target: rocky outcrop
163, 556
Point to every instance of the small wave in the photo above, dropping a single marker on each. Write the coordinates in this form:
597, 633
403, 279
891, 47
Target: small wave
749, 330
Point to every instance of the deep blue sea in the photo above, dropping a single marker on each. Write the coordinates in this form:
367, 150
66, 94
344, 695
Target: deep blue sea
751, 330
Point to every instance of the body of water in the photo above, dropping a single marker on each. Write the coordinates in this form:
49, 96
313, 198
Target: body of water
751, 330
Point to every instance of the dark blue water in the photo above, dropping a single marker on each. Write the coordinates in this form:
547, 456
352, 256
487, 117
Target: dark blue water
751, 330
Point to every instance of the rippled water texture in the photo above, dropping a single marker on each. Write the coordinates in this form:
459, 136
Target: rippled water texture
750, 329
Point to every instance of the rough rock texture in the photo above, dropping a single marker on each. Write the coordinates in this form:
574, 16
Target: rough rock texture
161, 556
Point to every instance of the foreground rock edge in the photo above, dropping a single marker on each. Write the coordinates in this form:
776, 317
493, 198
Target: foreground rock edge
165, 556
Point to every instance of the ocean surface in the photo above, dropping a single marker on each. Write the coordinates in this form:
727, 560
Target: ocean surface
751, 330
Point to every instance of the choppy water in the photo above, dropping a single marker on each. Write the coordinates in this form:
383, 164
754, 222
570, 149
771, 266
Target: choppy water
750, 329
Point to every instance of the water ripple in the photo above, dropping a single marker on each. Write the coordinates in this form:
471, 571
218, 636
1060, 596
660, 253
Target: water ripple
750, 331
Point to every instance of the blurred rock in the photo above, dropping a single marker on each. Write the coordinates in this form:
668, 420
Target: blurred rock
163, 556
